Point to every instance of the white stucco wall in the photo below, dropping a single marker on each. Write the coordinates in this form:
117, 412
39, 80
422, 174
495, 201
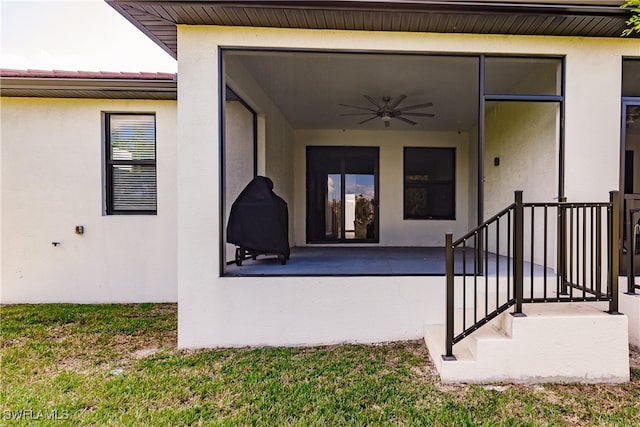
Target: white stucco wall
273, 310
52, 180
394, 230
592, 118
524, 136
239, 153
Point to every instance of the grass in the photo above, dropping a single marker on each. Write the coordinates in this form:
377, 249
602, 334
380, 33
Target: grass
118, 365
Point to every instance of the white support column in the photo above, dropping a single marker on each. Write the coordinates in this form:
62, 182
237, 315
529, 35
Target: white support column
198, 178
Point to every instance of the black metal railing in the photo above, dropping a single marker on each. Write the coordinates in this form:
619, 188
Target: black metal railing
531, 253
631, 239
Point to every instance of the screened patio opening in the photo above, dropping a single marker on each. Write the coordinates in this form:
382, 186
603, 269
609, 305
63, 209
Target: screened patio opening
630, 170
387, 215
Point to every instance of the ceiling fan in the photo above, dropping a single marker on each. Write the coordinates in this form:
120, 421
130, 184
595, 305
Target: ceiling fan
389, 109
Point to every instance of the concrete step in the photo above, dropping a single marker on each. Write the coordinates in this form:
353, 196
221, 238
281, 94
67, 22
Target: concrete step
630, 306
502, 327
554, 343
486, 339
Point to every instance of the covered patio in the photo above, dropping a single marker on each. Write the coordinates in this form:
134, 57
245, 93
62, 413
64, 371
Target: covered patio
328, 127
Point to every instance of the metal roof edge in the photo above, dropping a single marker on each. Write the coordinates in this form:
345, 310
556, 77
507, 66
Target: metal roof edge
60, 87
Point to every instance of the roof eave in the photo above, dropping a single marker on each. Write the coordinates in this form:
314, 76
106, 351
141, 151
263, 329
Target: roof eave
158, 18
87, 88
114, 4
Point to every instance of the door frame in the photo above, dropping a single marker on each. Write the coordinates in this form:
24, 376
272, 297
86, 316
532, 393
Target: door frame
344, 151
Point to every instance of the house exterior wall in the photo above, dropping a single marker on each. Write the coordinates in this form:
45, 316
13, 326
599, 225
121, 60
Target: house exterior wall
592, 119
52, 180
524, 136
394, 230
223, 311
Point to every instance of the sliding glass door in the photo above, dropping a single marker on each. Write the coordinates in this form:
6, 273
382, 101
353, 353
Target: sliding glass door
342, 194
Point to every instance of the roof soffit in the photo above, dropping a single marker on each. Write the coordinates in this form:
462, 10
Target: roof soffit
600, 18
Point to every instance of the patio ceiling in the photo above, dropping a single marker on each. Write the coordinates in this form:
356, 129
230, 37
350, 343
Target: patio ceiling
308, 87
158, 19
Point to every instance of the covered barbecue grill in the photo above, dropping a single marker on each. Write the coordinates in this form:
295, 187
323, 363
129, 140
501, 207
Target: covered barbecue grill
259, 222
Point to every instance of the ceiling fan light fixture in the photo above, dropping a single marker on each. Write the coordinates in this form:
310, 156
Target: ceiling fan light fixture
389, 109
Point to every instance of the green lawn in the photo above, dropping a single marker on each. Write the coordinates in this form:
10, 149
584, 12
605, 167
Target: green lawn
118, 365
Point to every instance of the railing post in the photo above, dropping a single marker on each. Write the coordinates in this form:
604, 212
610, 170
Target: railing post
562, 246
614, 250
450, 306
518, 254
631, 243
479, 251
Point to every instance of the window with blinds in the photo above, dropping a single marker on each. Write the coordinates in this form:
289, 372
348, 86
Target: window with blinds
131, 163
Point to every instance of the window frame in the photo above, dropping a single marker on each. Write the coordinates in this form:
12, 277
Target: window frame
340, 153
109, 164
430, 183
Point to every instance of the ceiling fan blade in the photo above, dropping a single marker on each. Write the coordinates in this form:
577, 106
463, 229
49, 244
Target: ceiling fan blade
357, 114
360, 108
373, 101
415, 107
397, 101
367, 120
418, 114
411, 122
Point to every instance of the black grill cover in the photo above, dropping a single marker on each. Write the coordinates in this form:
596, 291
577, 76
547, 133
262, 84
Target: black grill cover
259, 219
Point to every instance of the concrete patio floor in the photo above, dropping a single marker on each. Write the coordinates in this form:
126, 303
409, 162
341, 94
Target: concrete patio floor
366, 261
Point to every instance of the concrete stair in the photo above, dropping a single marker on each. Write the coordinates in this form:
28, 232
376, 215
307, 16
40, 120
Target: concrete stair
553, 343
629, 304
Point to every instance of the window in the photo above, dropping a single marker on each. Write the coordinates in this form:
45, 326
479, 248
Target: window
429, 183
130, 163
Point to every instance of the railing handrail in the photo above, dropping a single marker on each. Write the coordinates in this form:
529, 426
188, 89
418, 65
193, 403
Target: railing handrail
451, 338
569, 236
504, 211
567, 204
486, 223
